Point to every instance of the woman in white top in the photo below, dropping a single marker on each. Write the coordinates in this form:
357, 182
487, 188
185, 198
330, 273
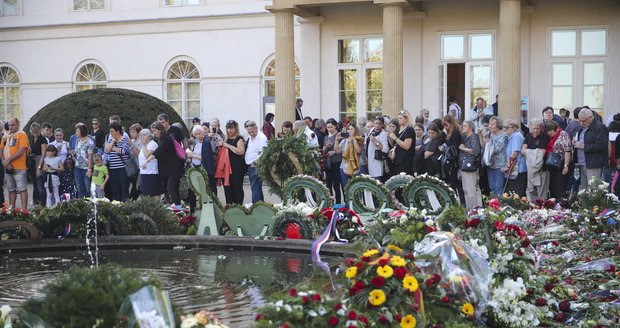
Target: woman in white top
150, 182
61, 145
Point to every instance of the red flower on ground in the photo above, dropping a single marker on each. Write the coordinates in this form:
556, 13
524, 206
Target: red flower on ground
499, 225
494, 204
541, 301
382, 319
445, 299
352, 315
292, 292
378, 281
259, 317
316, 297
337, 306
363, 319
305, 299
284, 325
332, 321
397, 317
564, 306
559, 317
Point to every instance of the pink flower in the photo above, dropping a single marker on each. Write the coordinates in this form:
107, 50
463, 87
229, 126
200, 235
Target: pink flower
494, 204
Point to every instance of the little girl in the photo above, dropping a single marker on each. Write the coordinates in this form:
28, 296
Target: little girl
53, 166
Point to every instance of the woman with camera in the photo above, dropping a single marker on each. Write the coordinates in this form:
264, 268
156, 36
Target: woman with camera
377, 149
349, 144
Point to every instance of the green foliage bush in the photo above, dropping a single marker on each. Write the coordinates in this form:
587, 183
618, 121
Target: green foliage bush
166, 221
131, 106
84, 296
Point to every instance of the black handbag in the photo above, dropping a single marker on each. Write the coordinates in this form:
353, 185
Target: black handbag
555, 160
469, 164
379, 155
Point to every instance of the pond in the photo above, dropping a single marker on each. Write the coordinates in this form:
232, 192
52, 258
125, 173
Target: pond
231, 283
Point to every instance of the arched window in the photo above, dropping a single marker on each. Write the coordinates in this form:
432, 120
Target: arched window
183, 89
9, 93
269, 86
90, 76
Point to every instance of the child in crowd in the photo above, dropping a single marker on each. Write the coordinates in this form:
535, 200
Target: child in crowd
101, 176
53, 168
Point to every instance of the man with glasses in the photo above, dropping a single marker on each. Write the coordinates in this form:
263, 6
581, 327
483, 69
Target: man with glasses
255, 145
591, 144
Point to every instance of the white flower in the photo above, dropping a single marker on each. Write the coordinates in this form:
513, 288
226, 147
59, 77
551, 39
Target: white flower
4, 310
322, 310
403, 219
341, 312
429, 223
189, 322
423, 212
288, 308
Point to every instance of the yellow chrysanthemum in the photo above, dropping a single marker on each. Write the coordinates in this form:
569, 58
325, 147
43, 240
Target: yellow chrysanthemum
468, 309
351, 272
394, 248
385, 271
410, 283
371, 252
408, 321
398, 261
376, 297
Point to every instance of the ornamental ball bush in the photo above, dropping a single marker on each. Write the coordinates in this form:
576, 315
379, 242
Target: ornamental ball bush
132, 107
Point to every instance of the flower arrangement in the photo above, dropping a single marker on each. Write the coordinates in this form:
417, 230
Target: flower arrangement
5, 316
17, 214
399, 227
201, 319
597, 195
296, 220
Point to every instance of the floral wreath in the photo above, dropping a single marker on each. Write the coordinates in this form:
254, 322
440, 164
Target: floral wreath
307, 225
285, 158
348, 228
445, 193
293, 184
361, 183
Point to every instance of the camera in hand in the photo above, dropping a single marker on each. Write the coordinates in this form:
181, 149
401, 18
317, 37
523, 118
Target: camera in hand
376, 133
344, 134
214, 130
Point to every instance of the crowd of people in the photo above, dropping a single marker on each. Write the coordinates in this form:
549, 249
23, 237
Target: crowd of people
547, 158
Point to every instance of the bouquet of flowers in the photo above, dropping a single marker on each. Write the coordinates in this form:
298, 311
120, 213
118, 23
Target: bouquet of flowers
400, 227
17, 214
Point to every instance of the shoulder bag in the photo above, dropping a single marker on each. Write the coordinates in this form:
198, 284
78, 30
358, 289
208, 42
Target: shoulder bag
555, 160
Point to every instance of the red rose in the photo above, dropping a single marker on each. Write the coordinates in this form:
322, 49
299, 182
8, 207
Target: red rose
519, 252
383, 262
284, 325
559, 317
525, 243
499, 225
494, 204
611, 269
332, 321
382, 319
564, 306
445, 299
363, 319
549, 287
360, 265
400, 272
337, 306
292, 292
352, 315
430, 229
359, 284
259, 317
316, 297
522, 233
349, 261
365, 258
569, 280
555, 243
378, 281
541, 301
305, 300
397, 317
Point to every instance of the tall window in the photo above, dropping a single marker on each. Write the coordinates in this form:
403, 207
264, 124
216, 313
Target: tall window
9, 7
578, 64
181, 3
90, 76
83, 5
183, 89
360, 77
9, 93
269, 86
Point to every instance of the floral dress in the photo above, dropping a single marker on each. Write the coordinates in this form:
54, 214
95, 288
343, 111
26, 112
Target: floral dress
67, 180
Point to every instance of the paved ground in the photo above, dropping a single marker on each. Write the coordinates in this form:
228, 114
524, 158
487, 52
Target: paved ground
270, 198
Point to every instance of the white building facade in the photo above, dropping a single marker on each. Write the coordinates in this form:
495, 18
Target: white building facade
215, 58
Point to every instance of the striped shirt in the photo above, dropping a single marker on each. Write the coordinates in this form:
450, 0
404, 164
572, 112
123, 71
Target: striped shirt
117, 161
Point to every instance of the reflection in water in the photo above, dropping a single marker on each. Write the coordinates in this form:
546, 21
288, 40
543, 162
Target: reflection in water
232, 284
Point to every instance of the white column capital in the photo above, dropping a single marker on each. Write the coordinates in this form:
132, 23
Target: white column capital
401, 3
311, 20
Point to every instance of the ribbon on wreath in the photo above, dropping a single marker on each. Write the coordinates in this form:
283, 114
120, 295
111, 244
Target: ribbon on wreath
337, 215
65, 232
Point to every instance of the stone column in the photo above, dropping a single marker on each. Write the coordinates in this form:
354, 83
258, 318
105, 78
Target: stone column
509, 59
285, 66
392, 58
310, 57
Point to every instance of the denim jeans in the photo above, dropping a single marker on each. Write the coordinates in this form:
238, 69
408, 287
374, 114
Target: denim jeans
256, 185
344, 179
82, 182
119, 184
496, 181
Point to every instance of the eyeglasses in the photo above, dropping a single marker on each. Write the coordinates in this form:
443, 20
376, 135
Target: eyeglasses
251, 125
95, 123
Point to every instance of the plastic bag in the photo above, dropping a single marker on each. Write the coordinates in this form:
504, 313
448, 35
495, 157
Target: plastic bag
464, 269
149, 307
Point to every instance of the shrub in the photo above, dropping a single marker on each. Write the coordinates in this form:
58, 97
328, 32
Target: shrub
131, 106
83, 296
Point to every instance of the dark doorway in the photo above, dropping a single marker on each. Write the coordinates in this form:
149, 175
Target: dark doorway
456, 85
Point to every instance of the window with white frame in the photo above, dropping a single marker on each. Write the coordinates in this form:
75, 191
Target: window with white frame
183, 89
467, 46
90, 76
9, 93
181, 3
86, 5
578, 64
9, 7
360, 77
269, 80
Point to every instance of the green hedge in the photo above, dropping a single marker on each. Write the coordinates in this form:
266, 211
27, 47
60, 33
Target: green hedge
131, 106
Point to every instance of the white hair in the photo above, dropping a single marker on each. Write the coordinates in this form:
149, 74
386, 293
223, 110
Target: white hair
196, 128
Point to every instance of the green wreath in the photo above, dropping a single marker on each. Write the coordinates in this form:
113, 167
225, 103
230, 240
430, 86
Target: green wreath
307, 225
399, 181
361, 183
418, 198
285, 158
294, 184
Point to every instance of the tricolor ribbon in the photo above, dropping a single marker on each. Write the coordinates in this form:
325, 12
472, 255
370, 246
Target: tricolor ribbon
607, 212
65, 232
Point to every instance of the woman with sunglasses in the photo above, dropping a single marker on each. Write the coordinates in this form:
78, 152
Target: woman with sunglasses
404, 144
